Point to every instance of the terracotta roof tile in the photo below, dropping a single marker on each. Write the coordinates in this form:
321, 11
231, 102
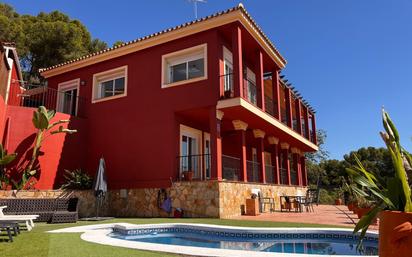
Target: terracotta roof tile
239, 7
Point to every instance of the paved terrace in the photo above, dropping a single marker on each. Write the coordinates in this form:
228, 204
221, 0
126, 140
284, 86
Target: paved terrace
323, 214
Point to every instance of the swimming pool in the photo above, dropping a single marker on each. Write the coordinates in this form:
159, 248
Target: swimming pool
310, 242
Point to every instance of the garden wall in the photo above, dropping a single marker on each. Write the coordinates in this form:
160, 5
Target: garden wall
196, 198
57, 152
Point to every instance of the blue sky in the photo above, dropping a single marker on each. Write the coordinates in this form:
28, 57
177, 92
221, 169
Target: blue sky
347, 58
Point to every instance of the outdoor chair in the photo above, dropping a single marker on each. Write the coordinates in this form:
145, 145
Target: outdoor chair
309, 200
53, 210
266, 201
9, 227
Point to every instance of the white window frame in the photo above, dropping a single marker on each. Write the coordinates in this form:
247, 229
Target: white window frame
107, 75
181, 56
227, 60
64, 86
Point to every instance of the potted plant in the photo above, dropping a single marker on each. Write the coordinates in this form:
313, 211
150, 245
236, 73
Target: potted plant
188, 175
338, 200
393, 193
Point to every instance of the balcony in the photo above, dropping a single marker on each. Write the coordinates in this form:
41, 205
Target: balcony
198, 164
62, 101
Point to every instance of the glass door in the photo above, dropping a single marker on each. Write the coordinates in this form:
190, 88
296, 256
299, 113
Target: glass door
190, 148
251, 86
67, 97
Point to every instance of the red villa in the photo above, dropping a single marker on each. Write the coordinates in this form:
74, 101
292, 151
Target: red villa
203, 99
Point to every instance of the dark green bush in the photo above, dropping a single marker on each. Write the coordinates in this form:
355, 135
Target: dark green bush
77, 179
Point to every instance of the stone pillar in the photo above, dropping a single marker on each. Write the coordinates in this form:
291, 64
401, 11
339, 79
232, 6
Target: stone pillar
276, 93
299, 115
274, 142
303, 168
288, 106
241, 127
215, 143
237, 61
285, 151
260, 135
260, 83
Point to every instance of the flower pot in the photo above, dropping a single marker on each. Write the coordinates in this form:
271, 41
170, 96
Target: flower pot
188, 175
338, 202
395, 234
362, 212
350, 206
228, 94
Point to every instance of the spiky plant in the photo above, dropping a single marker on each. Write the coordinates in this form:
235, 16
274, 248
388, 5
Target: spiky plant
42, 122
391, 192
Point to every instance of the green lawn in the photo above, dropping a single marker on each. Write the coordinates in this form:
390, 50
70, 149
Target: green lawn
38, 243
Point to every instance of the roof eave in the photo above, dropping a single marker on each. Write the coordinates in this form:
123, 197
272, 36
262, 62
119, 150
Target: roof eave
238, 14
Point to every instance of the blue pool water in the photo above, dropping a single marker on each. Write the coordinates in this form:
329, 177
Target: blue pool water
316, 245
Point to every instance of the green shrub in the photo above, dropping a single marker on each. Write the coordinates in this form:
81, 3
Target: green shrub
327, 196
77, 179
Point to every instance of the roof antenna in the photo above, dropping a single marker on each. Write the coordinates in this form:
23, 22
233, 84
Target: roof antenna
195, 5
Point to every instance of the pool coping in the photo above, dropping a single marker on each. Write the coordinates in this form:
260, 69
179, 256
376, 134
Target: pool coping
100, 234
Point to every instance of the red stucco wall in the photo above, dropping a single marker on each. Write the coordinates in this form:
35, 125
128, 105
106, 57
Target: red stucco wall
138, 134
58, 151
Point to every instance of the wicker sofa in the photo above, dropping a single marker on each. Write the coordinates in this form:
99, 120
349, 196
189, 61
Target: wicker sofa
52, 210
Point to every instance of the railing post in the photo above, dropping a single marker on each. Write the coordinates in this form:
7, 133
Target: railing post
241, 127
237, 61
285, 152
260, 135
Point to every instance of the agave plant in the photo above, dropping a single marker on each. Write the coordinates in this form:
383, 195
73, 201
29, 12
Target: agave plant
42, 122
77, 179
391, 192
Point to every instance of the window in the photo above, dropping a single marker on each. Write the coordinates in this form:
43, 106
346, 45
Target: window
184, 66
228, 63
67, 97
110, 84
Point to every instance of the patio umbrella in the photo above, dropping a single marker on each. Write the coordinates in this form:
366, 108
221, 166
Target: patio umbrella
100, 185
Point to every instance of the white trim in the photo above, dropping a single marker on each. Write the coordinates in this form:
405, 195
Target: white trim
196, 134
182, 56
111, 74
227, 55
221, 104
61, 87
100, 234
10, 62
